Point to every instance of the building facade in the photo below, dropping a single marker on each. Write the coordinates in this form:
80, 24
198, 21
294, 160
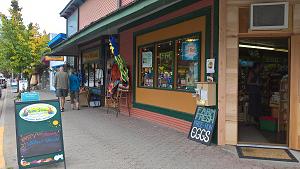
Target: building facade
167, 45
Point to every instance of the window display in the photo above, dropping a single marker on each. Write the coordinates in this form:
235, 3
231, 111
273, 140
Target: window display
99, 76
147, 71
91, 75
86, 74
176, 60
165, 64
188, 54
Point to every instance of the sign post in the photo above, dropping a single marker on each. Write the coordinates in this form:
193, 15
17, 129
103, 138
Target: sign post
203, 125
39, 133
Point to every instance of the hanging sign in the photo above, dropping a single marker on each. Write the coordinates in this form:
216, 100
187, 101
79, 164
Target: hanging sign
38, 133
90, 57
54, 58
203, 125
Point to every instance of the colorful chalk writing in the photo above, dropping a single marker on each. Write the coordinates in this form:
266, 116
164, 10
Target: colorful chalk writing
39, 133
40, 143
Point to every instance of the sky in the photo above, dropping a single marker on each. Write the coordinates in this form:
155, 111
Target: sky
43, 12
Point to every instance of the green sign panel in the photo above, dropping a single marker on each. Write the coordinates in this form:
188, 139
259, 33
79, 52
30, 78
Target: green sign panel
39, 133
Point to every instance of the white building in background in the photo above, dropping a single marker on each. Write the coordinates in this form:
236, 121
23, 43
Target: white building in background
54, 63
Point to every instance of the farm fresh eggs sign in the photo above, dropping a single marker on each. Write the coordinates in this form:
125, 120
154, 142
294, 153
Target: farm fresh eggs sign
38, 112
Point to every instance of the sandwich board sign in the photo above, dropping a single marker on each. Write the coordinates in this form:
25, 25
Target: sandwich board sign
39, 133
203, 125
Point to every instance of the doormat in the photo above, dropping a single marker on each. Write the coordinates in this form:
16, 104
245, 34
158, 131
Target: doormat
262, 153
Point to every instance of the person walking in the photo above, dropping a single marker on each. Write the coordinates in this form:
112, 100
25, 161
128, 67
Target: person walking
74, 89
61, 84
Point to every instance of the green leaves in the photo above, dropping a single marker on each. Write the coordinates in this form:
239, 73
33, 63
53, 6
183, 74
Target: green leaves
21, 47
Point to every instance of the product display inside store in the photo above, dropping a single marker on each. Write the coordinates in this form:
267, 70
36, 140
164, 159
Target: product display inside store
263, 92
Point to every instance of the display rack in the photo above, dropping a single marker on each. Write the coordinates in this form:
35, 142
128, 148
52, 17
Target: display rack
284, 104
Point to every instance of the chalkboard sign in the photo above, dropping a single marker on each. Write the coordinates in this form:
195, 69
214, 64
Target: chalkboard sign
40, 143
203, 125
39, 133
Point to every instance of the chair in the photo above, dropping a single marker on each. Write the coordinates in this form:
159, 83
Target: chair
124, 95
112, 101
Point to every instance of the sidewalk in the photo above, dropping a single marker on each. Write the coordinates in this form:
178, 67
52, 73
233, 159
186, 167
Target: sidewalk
96, 140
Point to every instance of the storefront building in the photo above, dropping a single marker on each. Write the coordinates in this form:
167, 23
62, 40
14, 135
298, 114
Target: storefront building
251, 34
172, 39
166, 45
90, 53
166, 52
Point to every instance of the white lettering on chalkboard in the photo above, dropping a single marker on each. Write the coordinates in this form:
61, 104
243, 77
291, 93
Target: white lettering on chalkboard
200, 134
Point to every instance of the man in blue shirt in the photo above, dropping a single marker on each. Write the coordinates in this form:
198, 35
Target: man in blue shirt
74, 89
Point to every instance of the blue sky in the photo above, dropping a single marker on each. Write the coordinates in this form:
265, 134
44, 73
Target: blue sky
43, 12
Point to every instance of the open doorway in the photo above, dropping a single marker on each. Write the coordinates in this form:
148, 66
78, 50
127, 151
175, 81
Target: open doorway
263, 91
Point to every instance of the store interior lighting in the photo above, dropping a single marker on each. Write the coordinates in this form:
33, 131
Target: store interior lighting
263, 48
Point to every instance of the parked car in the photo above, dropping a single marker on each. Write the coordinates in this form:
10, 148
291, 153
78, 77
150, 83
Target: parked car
14, 86
3, 82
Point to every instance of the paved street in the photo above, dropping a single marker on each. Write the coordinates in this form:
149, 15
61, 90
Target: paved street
96, 140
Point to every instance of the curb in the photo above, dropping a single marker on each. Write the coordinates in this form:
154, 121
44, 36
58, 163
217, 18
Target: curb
3, 109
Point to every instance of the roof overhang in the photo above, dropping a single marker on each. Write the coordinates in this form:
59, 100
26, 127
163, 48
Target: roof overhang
71, 7
109, 25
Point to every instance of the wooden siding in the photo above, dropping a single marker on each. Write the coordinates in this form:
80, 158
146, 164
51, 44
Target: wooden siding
92, 10
228, 67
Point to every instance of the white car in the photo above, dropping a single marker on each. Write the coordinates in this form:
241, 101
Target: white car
14, 86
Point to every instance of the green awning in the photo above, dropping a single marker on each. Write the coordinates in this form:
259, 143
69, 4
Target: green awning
109, 25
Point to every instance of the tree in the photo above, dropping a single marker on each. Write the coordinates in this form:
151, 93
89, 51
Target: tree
21, 46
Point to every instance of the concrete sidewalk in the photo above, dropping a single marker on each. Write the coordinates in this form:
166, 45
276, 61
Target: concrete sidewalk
96, 140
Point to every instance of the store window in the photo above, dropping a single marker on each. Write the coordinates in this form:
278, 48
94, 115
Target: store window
188, 57
172, 64
147, 66
165, 64
86, 74
99, 75
93, 74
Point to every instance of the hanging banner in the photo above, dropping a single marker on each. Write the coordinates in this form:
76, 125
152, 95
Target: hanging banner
119, 59
38, 133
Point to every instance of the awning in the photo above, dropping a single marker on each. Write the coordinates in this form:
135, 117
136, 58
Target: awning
57, 39
109, 25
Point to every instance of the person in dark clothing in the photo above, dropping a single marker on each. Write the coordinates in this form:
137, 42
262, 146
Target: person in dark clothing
254, 91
